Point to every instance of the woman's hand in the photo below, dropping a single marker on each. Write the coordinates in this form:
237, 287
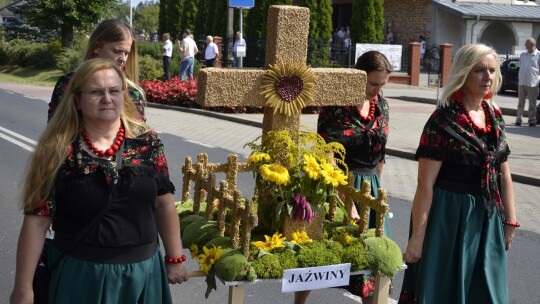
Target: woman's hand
509, 232
177, 273
414, 250
22, 296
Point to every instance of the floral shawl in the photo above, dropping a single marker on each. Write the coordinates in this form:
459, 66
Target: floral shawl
448, 136
365, 141
60, 88
143, 155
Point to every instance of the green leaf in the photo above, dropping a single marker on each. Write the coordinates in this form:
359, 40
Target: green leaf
210, 282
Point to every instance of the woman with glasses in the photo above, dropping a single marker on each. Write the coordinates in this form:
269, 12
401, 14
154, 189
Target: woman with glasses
113, 39
100, 176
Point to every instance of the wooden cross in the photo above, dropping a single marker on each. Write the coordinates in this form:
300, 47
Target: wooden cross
286, 42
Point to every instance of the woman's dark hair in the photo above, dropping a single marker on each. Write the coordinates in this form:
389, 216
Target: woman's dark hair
373, 61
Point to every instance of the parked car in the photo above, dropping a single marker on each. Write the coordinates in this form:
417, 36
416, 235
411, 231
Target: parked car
509, 71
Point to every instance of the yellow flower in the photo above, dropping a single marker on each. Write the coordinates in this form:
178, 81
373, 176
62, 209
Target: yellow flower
276, 241
344, 238
209, 258
194, 251
300, 237
275, 173
311, 167
333, 176
258, 157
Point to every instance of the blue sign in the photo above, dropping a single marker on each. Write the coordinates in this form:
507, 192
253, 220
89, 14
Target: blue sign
242, 3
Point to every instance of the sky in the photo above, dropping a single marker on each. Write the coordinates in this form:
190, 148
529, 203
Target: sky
134, 3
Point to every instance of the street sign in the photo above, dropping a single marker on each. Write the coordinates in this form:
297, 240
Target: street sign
241, 50
242, 3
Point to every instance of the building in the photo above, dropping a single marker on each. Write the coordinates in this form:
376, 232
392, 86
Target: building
502, 24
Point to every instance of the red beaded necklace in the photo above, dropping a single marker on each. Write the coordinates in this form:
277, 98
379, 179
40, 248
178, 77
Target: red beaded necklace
487, 128
371, 112
112, 149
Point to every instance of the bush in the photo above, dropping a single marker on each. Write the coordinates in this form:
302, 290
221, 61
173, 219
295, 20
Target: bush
151, 49
43, 55
68, 60
150, 68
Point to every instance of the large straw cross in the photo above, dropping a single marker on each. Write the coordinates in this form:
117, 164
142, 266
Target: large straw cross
286, 42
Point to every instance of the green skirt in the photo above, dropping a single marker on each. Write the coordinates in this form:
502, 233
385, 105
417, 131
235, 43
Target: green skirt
463, 258
375, 185
79, 281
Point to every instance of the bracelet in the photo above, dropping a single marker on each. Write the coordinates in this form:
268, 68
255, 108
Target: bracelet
175, 260
516, 224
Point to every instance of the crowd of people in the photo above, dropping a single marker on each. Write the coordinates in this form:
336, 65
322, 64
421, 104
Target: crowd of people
99, 179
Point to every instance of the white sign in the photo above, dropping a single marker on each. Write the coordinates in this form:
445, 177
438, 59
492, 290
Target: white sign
391, 51
240, 50
311, 278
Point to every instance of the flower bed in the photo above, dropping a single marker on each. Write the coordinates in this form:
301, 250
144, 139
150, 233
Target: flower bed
175, 92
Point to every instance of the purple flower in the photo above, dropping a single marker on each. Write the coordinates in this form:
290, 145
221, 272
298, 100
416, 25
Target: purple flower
302, 209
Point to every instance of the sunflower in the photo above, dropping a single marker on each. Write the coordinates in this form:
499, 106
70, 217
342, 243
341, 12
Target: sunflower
288, 87
311, 167
258, 157
333, 176
194, 249
275, 173
209, 258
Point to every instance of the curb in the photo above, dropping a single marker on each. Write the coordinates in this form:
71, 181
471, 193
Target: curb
519, 178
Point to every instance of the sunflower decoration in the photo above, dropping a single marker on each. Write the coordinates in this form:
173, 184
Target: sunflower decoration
288, 87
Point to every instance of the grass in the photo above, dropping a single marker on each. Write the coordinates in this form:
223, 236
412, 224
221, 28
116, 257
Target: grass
29, 75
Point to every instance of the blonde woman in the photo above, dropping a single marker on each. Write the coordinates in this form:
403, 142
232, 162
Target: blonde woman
463, 215
99, 174
112, 39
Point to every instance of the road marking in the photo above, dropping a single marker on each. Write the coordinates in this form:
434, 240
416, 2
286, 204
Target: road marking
16, 141
200, 143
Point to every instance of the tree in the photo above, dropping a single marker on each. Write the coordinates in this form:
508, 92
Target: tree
367, 21
189, 14
146, 17
202, 16
64, 15
320, 30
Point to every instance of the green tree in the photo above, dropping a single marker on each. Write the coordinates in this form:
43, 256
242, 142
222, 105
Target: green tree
367, 21
256, 25
189, 14
320, 30
65, 16
169, 16
146, 17
202, 16
217, 19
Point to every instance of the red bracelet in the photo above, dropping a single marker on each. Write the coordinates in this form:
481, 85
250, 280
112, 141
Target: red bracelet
175, 260
516, 224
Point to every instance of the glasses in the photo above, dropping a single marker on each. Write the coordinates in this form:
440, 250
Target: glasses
114, 93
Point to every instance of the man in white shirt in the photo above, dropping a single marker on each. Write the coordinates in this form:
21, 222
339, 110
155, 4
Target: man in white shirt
188, 49
529, 76
166, 52
211, 53
239, 40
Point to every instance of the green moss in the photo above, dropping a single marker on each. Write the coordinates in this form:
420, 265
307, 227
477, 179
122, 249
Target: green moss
199, 232
232, 266
268, 267
188, 219
317, 255
368, 234
383, 255
222, 241
287, 259
356, 255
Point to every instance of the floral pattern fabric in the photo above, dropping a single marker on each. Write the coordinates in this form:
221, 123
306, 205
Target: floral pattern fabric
449, 136
136, 95
364, 142
141, 155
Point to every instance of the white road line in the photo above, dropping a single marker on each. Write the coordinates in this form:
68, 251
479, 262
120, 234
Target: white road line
19, 136
200, 143
18, 139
